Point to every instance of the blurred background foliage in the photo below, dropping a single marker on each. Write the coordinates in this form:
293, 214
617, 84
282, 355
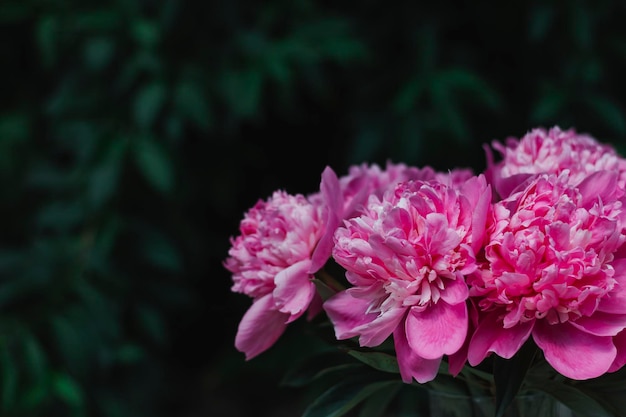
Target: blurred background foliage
134, 134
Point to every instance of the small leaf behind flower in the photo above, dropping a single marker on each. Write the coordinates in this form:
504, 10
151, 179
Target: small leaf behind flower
576, 400
343, 397
318, 366
377, 360
509, 375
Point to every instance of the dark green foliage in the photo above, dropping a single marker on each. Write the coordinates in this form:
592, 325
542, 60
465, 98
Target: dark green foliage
134, 134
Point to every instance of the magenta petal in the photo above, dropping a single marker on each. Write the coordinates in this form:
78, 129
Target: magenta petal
491, 336
506, 186
332, 196
412, 365
346, 313
574, 353
438, 330
615, 301
601, 324
620, 359
598, 185
260, 327
456, 292
377, 331
294, 289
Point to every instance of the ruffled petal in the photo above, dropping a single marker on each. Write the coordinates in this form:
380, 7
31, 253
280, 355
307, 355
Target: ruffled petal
438, 330
574, 353
260, 327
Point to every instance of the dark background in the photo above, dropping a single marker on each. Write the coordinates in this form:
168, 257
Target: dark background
134, 134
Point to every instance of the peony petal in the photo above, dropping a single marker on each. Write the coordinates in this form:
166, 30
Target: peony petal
601, 324
491, 336
506, 186
331, 194
615, 301
347, 313
294, 289
456, 292
412, 365
260, 327
377, 331
599, 185
438, 330
574, 353
620, 359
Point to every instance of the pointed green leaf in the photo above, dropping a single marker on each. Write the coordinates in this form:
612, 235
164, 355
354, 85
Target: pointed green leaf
377, 360
148, 104
509, 375
318, 366
609, 111
154, 163
68, 390
9, 375
576, 400
343, 397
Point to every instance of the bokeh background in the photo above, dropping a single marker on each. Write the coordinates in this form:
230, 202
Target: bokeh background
134, 134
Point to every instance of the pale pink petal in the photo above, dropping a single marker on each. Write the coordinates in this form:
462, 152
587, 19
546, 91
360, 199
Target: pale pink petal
574, 353
412, 365
260, 327
347, 313
294, 289
491, 336
439, 329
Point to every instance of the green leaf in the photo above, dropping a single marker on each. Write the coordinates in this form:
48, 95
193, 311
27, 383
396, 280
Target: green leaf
104, 178
10, 377
154, 163
376, 404
68, 390
242, 90
161, 252
470, 82
548, 106
317, 366
98, 52
575, 399
609, 111
343, 397
34, 356
509, 375
192, 104
409, 94
377, 360
148, 103
47, 31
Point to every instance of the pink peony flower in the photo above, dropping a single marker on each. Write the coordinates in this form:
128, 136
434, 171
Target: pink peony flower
407, 256
551, 151
345, 196
270, 261
553, 272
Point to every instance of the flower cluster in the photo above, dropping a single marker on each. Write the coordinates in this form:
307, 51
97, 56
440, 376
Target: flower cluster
451, 267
